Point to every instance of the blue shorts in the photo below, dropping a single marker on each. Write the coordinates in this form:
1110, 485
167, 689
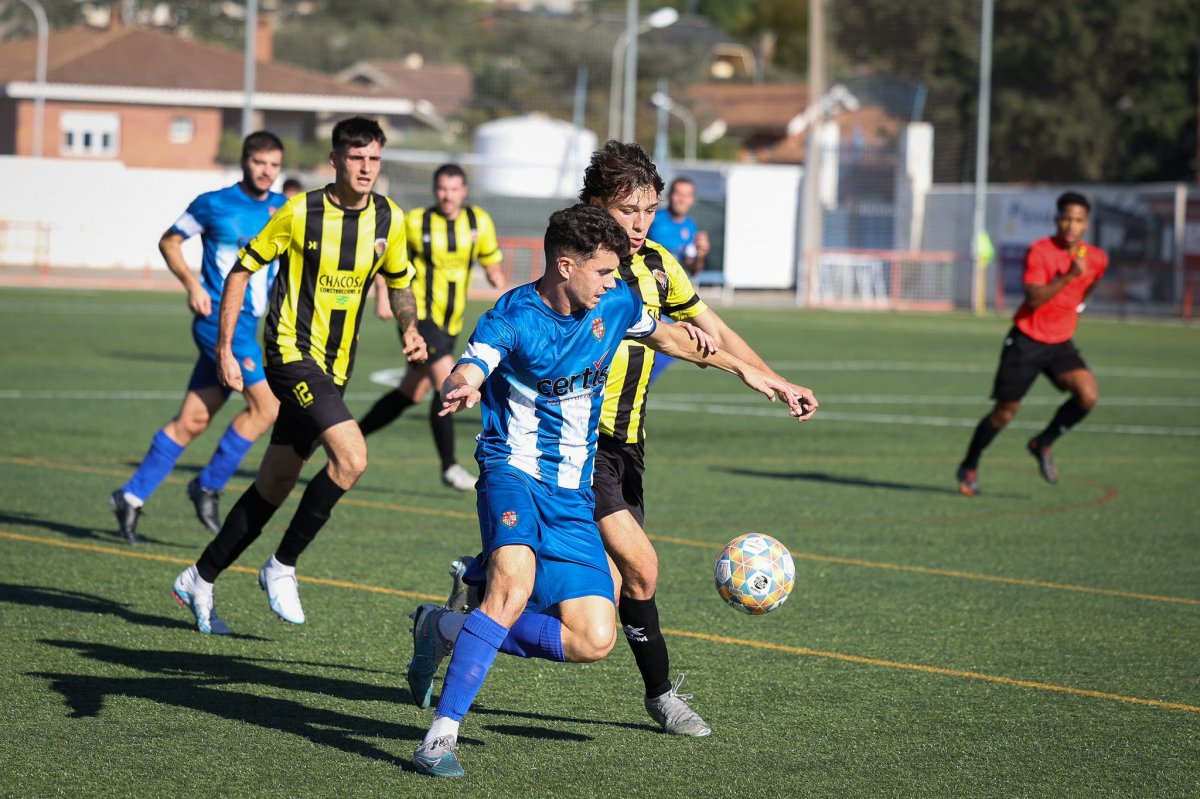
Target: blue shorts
246, 349
556, 523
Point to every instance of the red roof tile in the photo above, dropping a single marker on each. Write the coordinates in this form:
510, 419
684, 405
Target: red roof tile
148, 58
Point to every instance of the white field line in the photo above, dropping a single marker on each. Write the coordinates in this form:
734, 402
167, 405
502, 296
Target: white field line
664, 403
906, 419
940, 399
976, 367
658, 400
179, 309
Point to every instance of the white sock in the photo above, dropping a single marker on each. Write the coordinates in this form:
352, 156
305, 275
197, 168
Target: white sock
134, 502
199, 584
450, 625
441, 727
274, 565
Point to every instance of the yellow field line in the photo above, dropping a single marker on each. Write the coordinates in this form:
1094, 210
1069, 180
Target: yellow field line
126, 553
691, 542
968, 675
871, 564
718, 639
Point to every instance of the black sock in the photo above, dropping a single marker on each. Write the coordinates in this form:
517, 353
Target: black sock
385, 411
1067, 416
640, 620
243, 524
443, 432
984, 433
315, 506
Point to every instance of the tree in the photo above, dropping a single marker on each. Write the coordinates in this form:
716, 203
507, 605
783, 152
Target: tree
1083, 90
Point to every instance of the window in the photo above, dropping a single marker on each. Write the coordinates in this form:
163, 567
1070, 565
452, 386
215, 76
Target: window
183, 129
90, 133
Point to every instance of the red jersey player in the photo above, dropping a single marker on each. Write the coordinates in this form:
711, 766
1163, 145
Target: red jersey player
1060, 272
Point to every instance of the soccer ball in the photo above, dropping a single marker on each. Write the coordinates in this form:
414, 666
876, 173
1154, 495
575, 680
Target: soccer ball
755, 573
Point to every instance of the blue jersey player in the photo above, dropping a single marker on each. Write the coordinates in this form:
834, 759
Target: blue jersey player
538, 362
226, 221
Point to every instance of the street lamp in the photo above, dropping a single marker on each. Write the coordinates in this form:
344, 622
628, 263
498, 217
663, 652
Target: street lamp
621, 55
39, 102
823, 107
662, 100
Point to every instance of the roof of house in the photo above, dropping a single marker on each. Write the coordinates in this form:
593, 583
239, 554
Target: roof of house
871, 127
447, 86
760, 113
145, 65
748, 107
147, 57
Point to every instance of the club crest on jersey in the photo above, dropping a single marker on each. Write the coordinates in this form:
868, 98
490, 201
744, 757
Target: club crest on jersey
509, 518
248, 364
380, 246
660, 277
598, 328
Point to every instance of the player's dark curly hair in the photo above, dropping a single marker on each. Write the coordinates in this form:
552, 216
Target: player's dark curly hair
580, 231
1072, 198
357, 132
619, 170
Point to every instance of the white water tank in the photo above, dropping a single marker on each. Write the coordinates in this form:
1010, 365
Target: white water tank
531, 156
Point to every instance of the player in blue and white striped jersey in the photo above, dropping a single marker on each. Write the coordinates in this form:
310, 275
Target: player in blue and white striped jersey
226, 220
538, 362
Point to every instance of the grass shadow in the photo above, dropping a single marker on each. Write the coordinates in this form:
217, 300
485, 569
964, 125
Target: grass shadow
860, 482
195, 681
61, 599
75, 531
484, 711
537, 733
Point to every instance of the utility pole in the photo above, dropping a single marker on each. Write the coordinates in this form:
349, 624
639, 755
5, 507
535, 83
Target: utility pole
810, 220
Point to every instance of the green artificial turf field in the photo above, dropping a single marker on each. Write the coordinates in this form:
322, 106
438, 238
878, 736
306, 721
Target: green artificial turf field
1036, 640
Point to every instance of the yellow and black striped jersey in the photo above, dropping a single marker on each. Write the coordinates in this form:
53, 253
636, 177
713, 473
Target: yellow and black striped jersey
665, 291
327, 258
442, 252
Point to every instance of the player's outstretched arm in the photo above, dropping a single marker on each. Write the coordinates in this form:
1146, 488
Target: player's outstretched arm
171, 247
404, 308
673, 341
461, 389
232, 297
727, 338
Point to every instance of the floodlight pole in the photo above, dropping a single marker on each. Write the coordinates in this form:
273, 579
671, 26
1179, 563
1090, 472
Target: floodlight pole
615, 84
631, 59
810, 220
43, 47
625, 51
251, 58
979, 257
664, 102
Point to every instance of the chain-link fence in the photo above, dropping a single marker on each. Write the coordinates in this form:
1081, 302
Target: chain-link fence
520, 97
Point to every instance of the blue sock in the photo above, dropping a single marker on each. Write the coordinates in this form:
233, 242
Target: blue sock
158, 463
224, 462
535, 636
474, 652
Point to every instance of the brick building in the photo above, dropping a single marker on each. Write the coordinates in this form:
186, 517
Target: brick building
149, 98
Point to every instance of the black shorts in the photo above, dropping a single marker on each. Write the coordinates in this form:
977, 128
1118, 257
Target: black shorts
617, 478
309, 404
438, 343
1023, 359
